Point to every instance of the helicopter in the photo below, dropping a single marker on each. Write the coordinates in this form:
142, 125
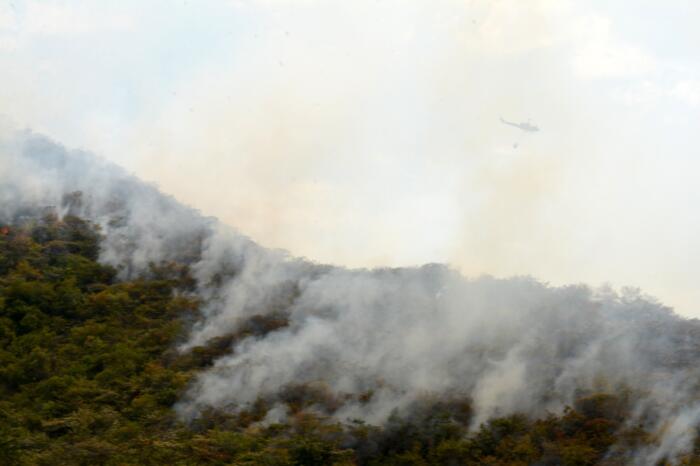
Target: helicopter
525, 126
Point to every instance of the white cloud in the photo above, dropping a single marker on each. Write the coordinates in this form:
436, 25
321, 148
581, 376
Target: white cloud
598, 53
688, 91
648, 93
8, 17
512, 26
642, 94
41, 18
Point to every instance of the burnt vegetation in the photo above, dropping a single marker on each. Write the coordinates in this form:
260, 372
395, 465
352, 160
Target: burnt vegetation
89, 375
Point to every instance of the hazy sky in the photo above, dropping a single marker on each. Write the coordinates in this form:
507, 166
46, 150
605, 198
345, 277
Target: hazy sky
367, 132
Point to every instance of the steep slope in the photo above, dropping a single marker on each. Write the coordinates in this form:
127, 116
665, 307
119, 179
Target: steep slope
279, 336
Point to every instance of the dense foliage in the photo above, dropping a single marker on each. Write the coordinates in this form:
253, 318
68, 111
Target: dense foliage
89, 375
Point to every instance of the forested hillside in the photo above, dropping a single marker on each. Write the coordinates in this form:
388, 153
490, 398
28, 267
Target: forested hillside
89, 375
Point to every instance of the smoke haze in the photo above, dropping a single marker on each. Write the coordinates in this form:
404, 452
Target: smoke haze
377, 339
367, 134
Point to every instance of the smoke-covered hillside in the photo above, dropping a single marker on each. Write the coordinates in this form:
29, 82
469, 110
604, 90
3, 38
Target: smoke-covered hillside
374, 342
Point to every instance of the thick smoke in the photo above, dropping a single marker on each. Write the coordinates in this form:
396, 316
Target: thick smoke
376, 339
140, 224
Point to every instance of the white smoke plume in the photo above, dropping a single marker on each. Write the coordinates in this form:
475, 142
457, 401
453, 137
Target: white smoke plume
376, 339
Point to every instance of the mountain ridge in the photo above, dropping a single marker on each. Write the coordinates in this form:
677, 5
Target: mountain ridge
373, 342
